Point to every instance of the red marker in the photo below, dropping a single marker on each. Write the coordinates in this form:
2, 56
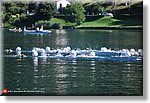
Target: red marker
5, 91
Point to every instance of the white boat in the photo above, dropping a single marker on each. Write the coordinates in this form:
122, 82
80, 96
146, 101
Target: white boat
16, 30
37, 31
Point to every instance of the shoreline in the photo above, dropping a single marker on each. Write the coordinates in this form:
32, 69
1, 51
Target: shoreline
102, 28
105, 28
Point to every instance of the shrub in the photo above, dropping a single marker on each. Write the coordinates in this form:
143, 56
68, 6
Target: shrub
56, 26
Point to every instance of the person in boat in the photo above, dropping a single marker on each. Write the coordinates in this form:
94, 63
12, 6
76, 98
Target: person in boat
15, 28
19, 30
41, 29
37, 29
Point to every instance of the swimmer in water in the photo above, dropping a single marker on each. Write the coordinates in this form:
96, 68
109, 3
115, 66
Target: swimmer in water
18, 52
58, 53
34, 53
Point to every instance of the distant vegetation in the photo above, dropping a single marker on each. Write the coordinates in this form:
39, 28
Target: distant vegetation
87, 13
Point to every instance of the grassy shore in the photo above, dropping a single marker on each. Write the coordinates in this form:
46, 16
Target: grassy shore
105, 22
112, 22
99, 22
62, 22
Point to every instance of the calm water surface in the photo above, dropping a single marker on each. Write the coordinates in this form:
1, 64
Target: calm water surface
71, 76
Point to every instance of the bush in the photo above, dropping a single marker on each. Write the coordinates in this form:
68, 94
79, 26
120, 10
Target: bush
48, 24
56, 26
76, 11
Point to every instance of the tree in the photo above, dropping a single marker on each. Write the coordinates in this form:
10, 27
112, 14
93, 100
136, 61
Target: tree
98, 8
94, 8
7, 17
45, 11
76, 10
79, 18
14, 10
21, 21
32, 7
68, 10
88, 8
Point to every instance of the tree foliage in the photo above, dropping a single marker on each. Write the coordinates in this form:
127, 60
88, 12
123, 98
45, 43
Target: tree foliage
44, 11
93, 8
21, 21
22, 13
77, 12
32, 7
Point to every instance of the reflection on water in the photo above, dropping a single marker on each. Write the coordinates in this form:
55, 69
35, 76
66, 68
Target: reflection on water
61, 38
60, 77
74, 76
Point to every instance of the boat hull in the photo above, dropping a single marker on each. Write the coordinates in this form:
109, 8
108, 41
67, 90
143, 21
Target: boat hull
15, 30
36, 32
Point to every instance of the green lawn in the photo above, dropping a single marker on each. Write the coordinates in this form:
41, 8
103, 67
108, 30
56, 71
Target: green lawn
62, 22
102, 22
125, 22
113, 22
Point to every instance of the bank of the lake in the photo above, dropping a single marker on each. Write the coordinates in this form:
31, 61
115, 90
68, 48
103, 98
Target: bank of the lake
97, 22
122, 22
112, 28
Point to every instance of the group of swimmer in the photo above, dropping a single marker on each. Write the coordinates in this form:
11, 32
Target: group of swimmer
68, 52
65, 52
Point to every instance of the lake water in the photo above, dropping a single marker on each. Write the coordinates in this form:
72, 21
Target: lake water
47, 76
